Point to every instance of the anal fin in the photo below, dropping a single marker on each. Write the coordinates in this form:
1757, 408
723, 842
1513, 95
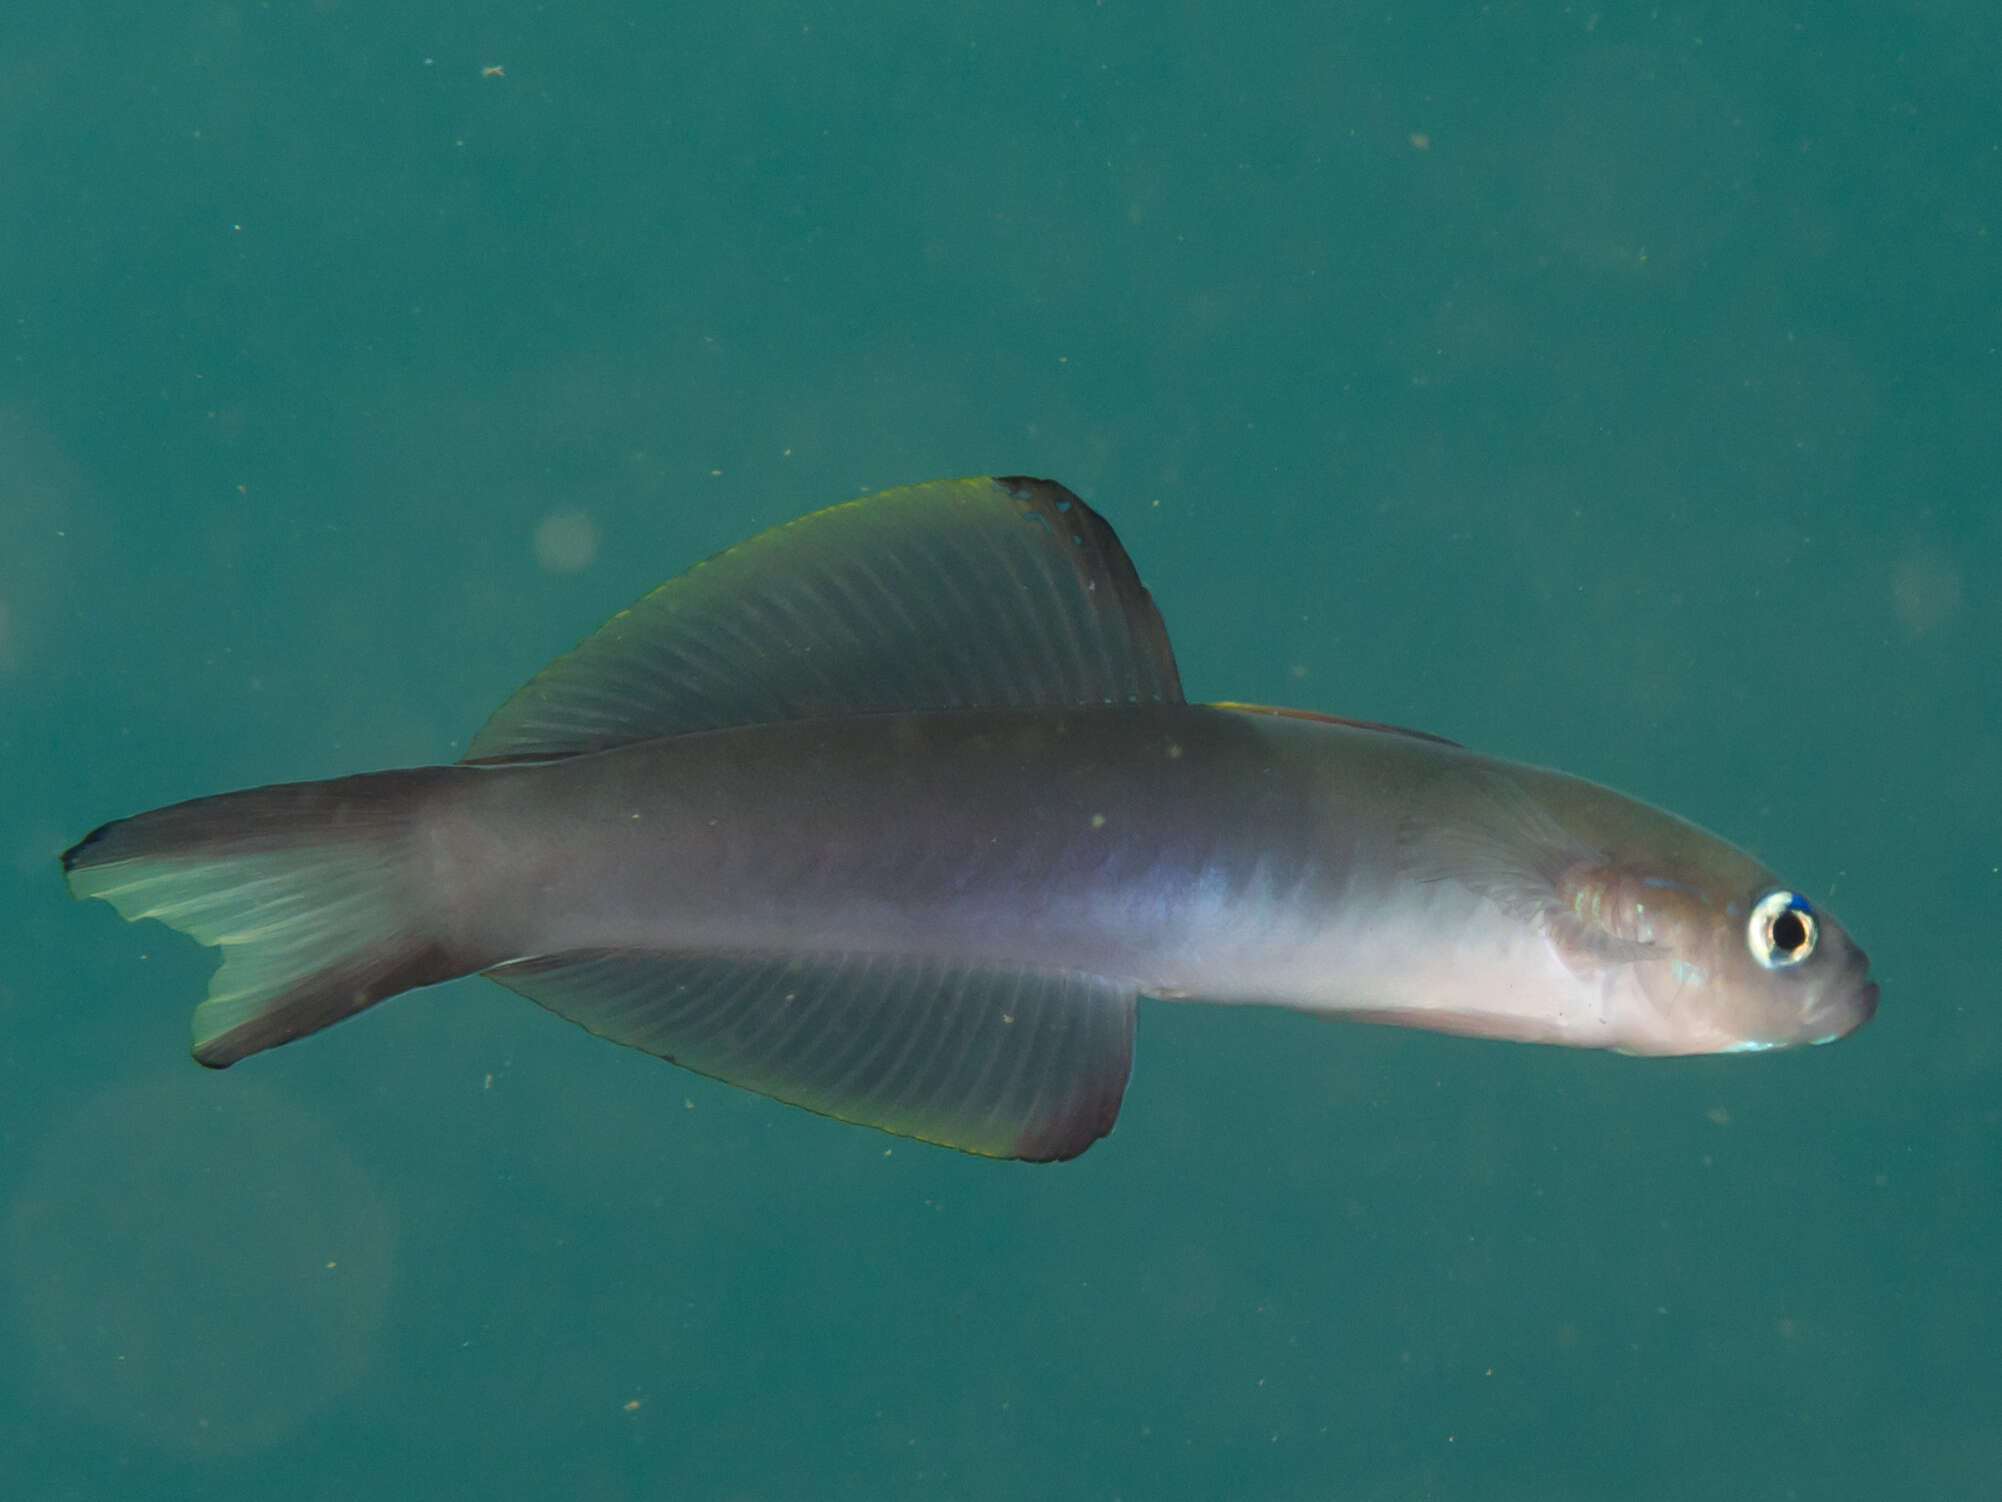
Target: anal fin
1001, 1061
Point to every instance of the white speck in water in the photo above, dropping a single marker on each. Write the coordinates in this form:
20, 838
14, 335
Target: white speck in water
566, 542
1925, 591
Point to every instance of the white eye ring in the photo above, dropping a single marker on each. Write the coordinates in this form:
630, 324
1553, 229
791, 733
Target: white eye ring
1782, 930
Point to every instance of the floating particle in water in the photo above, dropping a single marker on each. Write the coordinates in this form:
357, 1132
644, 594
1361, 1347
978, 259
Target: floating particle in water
566, 542
1925, 591
43, 503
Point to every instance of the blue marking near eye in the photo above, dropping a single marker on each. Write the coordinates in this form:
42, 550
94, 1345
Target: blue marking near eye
1775, 951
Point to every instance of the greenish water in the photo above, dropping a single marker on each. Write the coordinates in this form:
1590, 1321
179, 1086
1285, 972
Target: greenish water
1611, 388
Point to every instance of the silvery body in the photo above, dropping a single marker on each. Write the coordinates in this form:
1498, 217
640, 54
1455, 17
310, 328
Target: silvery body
894, 812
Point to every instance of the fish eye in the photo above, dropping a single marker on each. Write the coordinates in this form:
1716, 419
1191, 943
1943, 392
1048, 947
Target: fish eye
1782, 930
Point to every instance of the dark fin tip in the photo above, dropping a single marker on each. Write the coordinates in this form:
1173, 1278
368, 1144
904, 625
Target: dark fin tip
1022, 487
77, 854
388, 966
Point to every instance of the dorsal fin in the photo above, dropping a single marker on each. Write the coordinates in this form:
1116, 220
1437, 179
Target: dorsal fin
973, 593
1335, 719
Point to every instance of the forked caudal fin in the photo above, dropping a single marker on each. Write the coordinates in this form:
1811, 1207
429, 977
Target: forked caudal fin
309, 889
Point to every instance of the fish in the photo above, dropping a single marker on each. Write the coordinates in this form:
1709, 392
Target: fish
895, 811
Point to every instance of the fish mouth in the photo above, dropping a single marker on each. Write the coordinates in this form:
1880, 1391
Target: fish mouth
1855, 1010
1866, 1003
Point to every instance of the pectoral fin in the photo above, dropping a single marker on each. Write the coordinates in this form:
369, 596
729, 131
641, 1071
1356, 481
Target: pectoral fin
1004, 1062
1479, 827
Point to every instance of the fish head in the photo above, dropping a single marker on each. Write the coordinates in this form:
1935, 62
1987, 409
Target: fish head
1764, 968
1661, 937
1700, 949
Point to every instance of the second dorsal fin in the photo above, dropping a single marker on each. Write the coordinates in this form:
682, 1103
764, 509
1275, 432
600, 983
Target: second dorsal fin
973, 593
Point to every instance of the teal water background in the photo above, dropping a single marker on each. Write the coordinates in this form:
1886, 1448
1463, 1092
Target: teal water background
1615, 387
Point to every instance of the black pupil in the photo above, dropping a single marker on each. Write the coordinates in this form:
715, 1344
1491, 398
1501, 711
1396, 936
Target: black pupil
1789, 932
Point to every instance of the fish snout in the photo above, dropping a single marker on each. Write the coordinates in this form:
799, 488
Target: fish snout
1866, 1005
1846, 1005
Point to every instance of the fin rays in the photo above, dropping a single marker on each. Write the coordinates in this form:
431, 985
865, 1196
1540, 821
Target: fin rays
997, 1060
954, 594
